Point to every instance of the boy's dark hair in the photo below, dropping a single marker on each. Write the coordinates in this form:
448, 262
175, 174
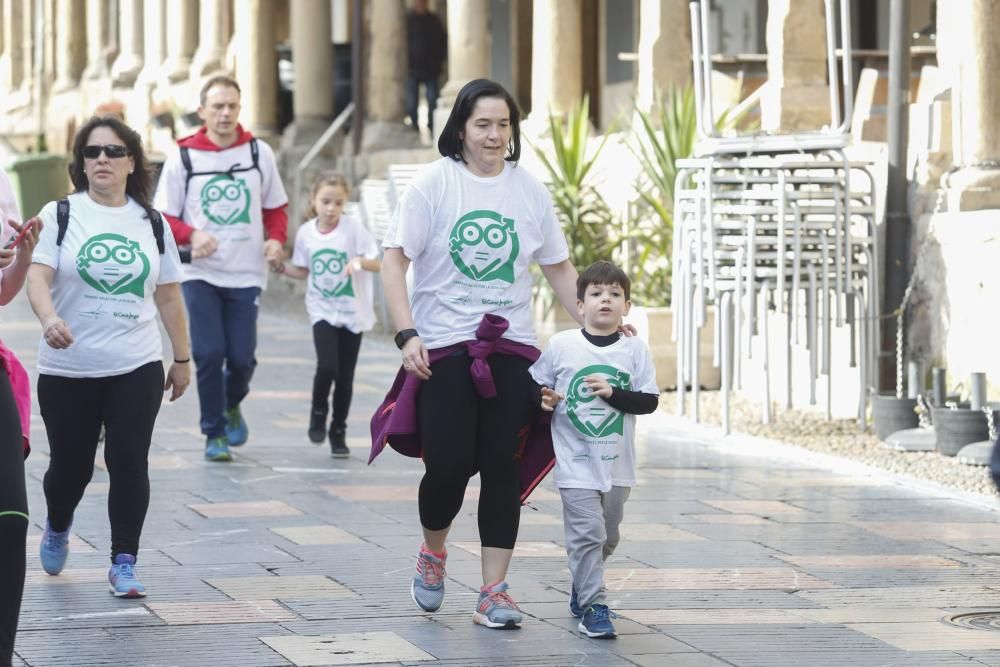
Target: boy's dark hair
602, 273
450, 141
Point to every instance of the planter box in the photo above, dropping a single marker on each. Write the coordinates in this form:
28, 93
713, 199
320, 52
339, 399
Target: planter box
654, 326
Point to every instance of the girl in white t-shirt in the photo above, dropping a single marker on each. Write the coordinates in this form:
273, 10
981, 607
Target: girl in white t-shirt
337, 255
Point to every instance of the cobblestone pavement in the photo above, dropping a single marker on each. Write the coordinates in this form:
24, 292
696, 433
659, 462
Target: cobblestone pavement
731, 554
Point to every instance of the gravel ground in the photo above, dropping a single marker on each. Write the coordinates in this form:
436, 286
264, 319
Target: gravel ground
839, 437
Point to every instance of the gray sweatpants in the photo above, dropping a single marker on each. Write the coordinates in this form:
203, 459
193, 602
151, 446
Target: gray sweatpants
591, 520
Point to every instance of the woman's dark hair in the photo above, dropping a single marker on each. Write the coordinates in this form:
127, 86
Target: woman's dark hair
450, 141
138, 185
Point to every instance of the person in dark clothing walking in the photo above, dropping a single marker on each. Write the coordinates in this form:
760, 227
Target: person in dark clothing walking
428, 47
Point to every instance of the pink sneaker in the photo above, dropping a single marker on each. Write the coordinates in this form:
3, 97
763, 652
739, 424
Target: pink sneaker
427, 589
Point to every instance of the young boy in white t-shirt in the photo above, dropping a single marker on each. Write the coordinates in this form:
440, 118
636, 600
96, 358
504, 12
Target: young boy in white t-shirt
595, 380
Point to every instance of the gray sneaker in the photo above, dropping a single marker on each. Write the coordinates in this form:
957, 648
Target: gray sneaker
496, 609
427, 589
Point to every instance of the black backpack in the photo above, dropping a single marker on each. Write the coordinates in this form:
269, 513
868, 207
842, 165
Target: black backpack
62, 220
191, 173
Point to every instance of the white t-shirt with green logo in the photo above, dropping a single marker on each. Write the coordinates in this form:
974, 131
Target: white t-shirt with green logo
594, 442
107, 269
230, 207
472, 240
332, 295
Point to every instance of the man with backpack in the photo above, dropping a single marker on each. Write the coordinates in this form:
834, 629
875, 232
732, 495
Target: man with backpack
222, 195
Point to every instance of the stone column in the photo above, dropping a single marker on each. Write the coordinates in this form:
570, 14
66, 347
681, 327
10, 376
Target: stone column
974, 58
557, 57
98, 39
50, 9
71, 45
384, 89
798, 97
312, 55
214, 33
256, 65
182, 29
154, 40
12, 61
27, 42
386, 60
664, 48
127, 66
468, 52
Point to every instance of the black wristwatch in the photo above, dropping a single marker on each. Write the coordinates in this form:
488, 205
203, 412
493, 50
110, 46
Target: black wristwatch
403, 336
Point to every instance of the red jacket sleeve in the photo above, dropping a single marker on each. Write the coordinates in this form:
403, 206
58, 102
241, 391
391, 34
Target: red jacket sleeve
276, 223
180, 229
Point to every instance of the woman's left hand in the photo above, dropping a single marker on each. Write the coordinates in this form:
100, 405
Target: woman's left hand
628, 330
178, 378
7, 257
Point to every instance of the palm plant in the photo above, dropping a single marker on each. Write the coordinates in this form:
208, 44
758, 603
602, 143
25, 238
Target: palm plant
665, 135
587, 220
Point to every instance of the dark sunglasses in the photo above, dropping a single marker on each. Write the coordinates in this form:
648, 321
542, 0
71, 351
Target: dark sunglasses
113, 151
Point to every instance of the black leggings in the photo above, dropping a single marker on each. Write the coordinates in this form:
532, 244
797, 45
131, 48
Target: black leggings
13, 518
336, 357
462, 433
73, 410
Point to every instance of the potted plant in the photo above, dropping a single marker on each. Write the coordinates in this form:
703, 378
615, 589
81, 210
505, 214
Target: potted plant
660, 137
592, 229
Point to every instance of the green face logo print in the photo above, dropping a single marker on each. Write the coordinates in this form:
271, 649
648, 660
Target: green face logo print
327, 273
591, 415
113, 264
484, 245
225, 200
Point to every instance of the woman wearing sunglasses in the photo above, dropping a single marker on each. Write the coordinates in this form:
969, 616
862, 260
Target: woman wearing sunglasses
101, 273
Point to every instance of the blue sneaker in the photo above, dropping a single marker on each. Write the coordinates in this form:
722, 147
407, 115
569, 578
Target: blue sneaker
596, 622
54, 549
427, 589
236, 427
122, 581
496, 609
574, 604
217, 449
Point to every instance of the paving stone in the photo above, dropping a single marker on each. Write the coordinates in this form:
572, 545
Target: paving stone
707, 579
731, 519
287, 587
758, 507
200, 613
317, 535
244, 509
714, 616
874, 561
345, 649
929, 636
928, 530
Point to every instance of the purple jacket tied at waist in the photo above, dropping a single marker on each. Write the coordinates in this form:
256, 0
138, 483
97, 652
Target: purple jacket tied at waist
395, 422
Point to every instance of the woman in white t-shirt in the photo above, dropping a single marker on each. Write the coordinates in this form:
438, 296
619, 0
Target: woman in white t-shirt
337, 255
472, 224
105, 266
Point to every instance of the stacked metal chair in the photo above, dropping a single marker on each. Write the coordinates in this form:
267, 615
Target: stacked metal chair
377, 203
775, 230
